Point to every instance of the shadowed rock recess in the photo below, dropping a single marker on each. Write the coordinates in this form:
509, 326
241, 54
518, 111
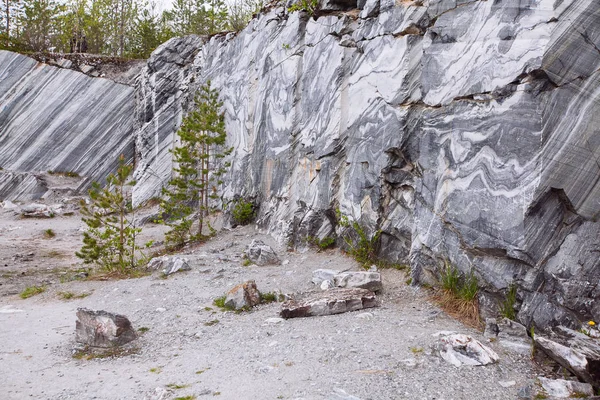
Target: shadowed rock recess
466, 132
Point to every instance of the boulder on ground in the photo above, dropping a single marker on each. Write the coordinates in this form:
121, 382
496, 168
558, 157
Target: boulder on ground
36, 210
320, 275
579, 353
513, 336
103, 329
362, 280
491, 328
459, 349
243, 296
327, 278
334, 301
169, 265
560, 388
261, 254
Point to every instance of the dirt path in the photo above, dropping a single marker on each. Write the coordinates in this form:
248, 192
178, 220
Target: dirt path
381, 353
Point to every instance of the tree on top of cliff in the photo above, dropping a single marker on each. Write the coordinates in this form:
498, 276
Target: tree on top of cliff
193, 192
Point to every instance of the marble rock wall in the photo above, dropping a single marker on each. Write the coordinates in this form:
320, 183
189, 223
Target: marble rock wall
54, 119
466, 131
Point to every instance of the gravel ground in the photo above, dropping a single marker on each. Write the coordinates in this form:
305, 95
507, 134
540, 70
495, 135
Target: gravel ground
379, 353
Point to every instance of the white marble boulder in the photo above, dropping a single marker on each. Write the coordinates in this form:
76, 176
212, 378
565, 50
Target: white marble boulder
459, 349
261, 254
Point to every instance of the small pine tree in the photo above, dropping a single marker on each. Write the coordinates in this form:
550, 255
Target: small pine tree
199, 166
110, 240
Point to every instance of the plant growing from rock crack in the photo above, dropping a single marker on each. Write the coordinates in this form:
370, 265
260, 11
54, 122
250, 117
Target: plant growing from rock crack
200, 165
110, 238
458, 295
507, 307
363, 248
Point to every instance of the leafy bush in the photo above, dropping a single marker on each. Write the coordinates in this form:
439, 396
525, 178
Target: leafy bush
242, 212
364, 248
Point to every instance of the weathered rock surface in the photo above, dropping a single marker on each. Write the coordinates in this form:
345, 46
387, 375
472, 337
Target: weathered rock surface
103, 329
463, 132
320, 275
60, 120
560, 388
333, 301
243, 296
575, 351
169, 265
35, 210
459, 349
512, 335
327, 278
261, 254
361, 279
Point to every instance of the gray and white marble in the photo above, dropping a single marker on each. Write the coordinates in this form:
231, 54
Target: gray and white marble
464, 130
60, 120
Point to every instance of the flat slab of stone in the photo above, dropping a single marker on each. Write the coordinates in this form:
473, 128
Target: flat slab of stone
103, 329
334, 301
560, 388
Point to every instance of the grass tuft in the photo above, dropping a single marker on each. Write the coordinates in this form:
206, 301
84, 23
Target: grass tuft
32, 291
71, 295
89, 354
458, 296
49, 234
176, 386
507, 307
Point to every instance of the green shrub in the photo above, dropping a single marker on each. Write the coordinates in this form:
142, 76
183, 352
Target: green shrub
364, 248
242, 212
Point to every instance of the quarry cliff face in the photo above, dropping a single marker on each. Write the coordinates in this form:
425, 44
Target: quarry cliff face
466, 131
54, 119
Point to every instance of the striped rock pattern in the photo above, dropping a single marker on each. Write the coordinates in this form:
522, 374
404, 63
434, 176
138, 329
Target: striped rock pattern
465, 131
59, 120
